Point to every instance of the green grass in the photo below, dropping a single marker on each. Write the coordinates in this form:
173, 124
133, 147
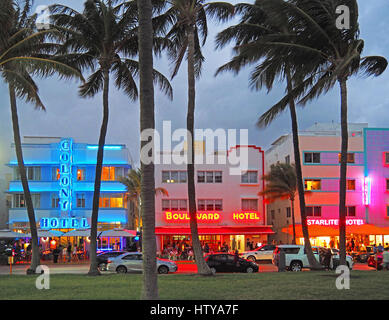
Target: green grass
288, 285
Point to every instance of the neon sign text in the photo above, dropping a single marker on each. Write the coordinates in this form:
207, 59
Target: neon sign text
334, 222
64, 223
65, 170
184, 216
242, 216
366, 191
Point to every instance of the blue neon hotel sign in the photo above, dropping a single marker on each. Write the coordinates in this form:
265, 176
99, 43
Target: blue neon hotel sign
65, 170
64, 223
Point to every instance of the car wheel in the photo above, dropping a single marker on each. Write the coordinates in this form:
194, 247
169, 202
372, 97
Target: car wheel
250, 270
102, 266
213, 270
163, 270
121, 269
296, 266
251, 258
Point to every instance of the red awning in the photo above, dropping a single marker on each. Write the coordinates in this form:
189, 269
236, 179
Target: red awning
215, 230
327, 231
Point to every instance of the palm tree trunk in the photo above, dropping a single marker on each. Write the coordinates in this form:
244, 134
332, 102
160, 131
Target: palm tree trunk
35, 259
93, 269
202, 267
343, 172
314, 264
147, 121
293, 222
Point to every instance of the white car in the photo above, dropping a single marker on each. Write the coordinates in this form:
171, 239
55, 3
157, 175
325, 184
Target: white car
262, 253
133, 262
296, 258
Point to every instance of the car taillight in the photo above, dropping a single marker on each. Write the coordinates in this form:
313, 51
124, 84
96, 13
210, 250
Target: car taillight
109, 261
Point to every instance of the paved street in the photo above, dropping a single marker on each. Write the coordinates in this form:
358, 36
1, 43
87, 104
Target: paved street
182, 268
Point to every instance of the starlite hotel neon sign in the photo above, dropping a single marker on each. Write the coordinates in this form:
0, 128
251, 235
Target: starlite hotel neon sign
65, 192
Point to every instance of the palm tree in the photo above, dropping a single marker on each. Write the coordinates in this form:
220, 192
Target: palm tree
23, 54
103, 39
185, 25
281, 184
147, 122
337, 54
256, 28
133, 184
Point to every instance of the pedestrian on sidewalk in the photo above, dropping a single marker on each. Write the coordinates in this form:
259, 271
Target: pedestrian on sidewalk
385, 259
69, 252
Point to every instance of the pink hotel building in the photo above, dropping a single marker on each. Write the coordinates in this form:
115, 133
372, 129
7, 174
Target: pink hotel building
229, 207
367, 198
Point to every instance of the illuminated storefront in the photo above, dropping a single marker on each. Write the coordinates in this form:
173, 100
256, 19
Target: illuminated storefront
61, 177
367, 197
229, 210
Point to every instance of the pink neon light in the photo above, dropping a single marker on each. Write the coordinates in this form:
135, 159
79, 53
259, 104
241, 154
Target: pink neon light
334, 222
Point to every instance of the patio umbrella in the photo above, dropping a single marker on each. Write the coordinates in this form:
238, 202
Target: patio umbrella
49, 233
116, 233
77, 233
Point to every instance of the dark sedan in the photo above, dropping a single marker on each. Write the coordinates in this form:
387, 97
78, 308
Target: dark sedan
102, 258
223, 262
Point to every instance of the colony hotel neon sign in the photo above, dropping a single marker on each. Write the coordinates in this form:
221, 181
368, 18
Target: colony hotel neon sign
64, 223
210, 216
65, 170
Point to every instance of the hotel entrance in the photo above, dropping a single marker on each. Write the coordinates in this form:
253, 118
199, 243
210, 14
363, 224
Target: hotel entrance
237, 242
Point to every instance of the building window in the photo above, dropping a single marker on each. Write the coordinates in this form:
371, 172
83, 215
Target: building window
312, 184
55, 201
272, 212
387, 184
111, 173
209, 177
55, 175
288, 212
312, 157
80, 200
387, 211
250, 204
351, 185
19, 200
80, 174
287, 159
249, 177
313, 211
350, 211
111, 201
210, 205
174, 177
174, 205
350, 157
387, 158
33, 173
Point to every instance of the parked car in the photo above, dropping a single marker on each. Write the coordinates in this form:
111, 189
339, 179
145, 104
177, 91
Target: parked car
102, 258
296, 258
262, 253
133, 262
224, 262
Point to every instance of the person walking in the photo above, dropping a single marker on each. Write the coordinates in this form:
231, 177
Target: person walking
206, 248
69, 252
385, 259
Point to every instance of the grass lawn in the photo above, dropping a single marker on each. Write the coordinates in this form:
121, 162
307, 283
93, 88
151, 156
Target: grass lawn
287, 285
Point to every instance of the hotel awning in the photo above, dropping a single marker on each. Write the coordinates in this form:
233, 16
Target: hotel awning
78, 233
331, 231
10, 234
118, 233
214, 230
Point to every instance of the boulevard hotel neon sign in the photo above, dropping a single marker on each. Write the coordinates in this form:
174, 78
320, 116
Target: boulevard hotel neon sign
210, 216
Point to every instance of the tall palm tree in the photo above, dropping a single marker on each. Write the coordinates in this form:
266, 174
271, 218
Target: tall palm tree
103, 39
147, 122
185, 25
282, 184
23, 54
133, 183
337, 54
251, 35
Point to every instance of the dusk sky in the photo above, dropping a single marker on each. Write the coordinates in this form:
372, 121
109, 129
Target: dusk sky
222, 102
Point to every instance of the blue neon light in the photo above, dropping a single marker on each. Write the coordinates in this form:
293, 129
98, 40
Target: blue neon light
64, 223
65, 181
105, 147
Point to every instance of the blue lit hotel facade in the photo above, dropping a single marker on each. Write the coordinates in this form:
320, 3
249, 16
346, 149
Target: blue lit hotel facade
61, 174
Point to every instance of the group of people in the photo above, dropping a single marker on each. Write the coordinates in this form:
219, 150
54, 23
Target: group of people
67, 253
178, 251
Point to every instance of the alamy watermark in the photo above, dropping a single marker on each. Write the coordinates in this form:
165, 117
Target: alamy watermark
43, 281
158, 147
43, 17
343, 280
343, 20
